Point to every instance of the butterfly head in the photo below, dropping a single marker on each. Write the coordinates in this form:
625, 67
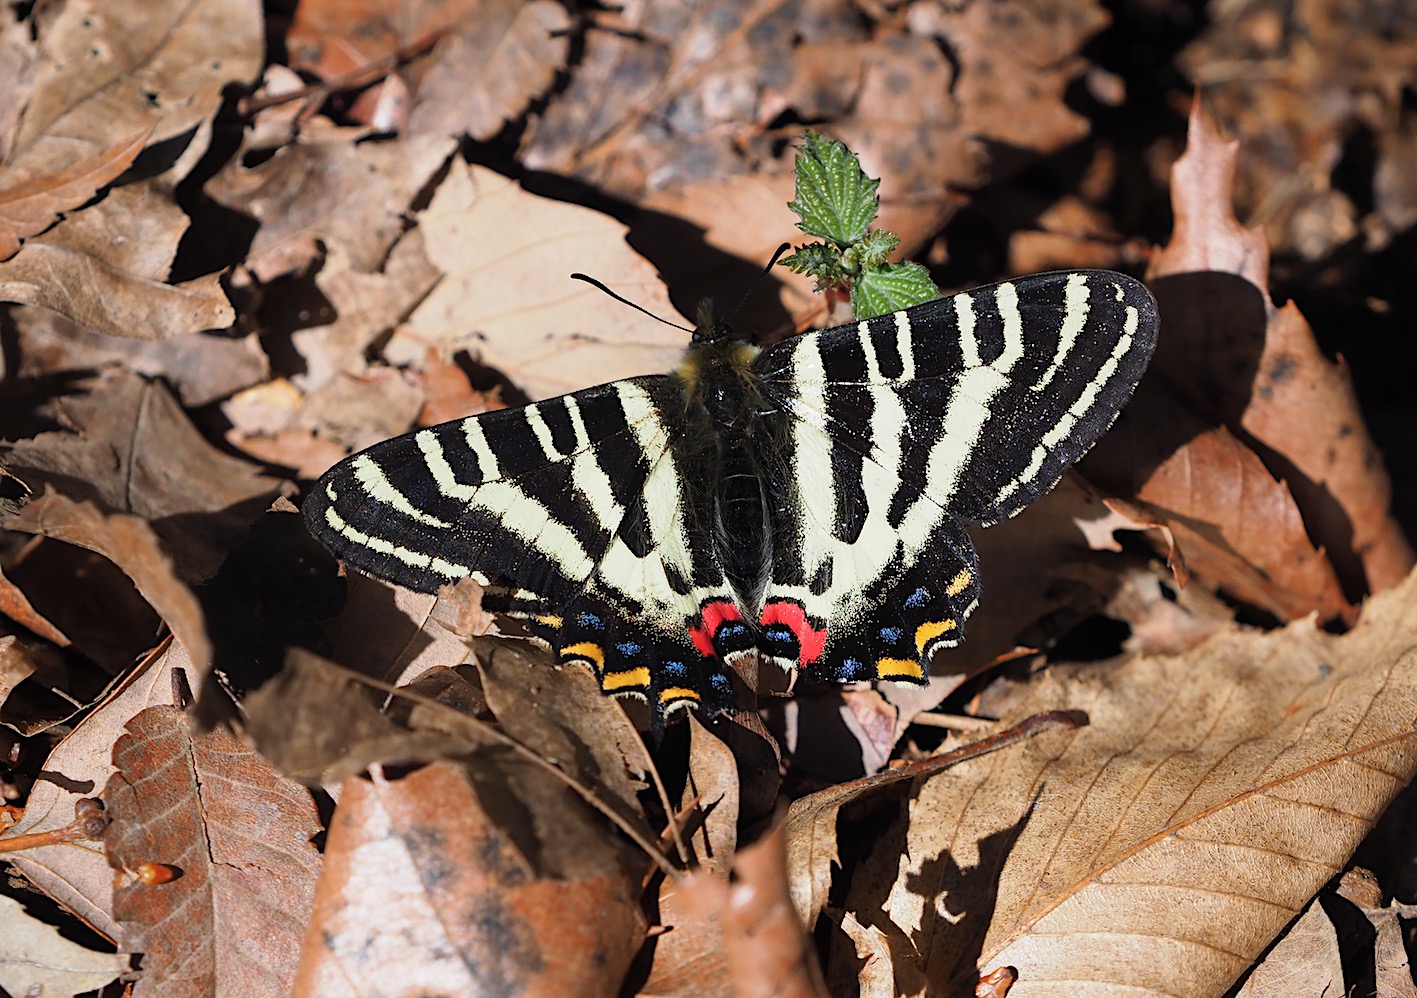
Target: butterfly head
709, 327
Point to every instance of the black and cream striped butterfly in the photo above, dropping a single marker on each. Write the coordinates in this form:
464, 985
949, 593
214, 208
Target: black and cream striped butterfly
806, 501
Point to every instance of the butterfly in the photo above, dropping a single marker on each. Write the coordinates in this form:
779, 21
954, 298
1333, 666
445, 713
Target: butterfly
805, 502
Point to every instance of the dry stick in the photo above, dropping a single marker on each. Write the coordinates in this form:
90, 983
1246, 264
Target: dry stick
89, 823
368, 73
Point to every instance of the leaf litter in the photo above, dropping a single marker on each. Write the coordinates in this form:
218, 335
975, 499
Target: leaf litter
223, 276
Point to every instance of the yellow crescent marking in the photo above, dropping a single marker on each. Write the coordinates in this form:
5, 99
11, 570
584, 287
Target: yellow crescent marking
888, 667
678, 693
958, 583
588, 651
630, 679
547, 621
929, 631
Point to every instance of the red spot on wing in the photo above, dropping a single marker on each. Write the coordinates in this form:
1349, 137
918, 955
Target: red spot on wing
714, 613
810, 640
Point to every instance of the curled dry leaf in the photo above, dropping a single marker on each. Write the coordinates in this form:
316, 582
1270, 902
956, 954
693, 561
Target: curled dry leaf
240, 837
430, 886
105, 298
1162, 847
1234, 524
318, 722
509, 299
131, 544
712, 791
31, 206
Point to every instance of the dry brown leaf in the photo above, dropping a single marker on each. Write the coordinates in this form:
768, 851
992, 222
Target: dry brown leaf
560, 714
77, 873
765, 953
1234, 524
1305, 408
484, 74
109, 300
238, 838
30, 207
35, 959
335, 193
508, 297
427, 892
133, 450
203, 368
712, 790
116, 69
1161, 848
15, 605
318, 722
1392, 967
130, 543
1265, 375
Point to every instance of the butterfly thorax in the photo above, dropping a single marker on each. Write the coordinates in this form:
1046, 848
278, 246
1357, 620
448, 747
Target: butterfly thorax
727, 434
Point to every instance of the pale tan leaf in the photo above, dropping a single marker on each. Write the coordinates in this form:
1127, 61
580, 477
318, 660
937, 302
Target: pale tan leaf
1161, 848
77, 873
1305, 962
502, 56
110, 300
114, 69
509, 299
36, 960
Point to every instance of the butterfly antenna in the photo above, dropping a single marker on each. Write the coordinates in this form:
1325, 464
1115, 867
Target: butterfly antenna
777, 255
625, 301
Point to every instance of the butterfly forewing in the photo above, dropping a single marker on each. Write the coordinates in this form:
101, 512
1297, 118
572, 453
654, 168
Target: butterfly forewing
606, 517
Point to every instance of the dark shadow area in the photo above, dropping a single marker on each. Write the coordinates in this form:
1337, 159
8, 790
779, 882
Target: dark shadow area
274, 591
941, 958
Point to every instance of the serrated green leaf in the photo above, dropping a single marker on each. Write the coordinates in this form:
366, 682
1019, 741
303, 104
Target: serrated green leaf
821, 261
875, 249
835, 199
892, 287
